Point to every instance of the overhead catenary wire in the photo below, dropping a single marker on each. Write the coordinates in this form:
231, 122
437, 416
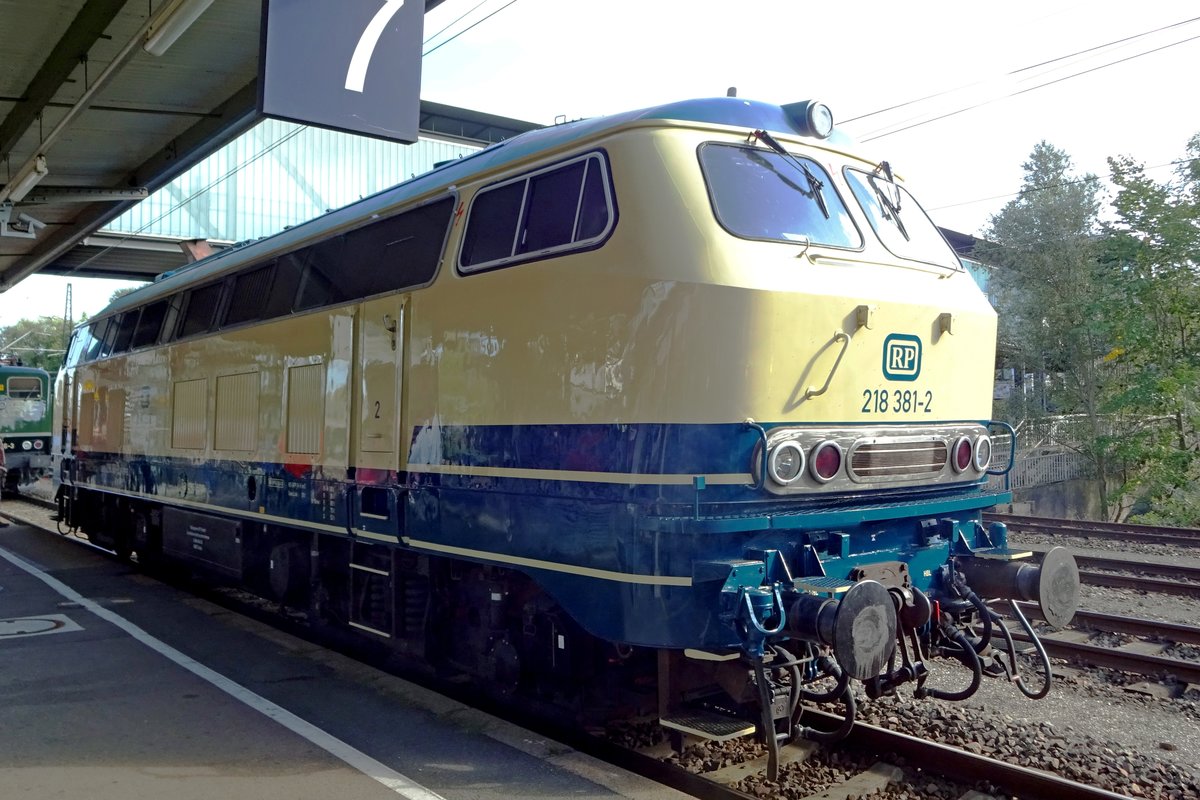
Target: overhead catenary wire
1018, 71
469, 27
1026, 90
457, 19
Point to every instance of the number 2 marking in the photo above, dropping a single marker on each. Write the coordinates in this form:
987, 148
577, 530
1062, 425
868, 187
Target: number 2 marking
356, 76
376, 409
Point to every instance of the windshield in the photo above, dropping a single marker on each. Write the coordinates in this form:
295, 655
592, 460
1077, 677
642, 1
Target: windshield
760, 194
899, 222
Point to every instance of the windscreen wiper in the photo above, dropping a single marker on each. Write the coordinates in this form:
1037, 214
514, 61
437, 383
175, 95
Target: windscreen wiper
891, 208
815, 184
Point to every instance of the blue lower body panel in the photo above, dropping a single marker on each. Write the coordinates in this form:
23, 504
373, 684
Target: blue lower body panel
628, 568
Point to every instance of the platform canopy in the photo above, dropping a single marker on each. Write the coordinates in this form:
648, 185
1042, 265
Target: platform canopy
91, 122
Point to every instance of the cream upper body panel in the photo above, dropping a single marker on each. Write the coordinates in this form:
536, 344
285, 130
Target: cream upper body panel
668, 318
676, 320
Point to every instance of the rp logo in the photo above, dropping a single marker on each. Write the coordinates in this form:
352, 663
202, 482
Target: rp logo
901, 357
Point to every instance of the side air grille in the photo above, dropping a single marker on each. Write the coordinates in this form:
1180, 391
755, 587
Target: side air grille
883, 459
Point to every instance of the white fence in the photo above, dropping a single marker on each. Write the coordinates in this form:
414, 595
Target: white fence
1039, 470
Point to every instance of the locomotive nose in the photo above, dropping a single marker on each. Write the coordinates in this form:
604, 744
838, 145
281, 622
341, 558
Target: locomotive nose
860, 627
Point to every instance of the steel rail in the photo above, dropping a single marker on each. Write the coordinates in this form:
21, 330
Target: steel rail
1162, 568
1123, 660
1160, 585
1177, 579
963, 766
1114, 623
1151, 664
937, 760
1159, 534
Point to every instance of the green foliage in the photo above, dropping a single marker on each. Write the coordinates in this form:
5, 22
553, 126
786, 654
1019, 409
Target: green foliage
1154, 242
36, 342
1107, 317
122, 292
1054, 293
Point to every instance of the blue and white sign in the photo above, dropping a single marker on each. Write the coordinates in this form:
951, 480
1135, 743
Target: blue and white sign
348, 65
901, 357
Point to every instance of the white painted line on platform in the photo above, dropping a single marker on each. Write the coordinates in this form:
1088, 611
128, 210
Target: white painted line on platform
400, 784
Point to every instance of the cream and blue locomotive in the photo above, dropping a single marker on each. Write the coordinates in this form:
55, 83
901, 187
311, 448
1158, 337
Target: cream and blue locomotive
25, 412
695, 390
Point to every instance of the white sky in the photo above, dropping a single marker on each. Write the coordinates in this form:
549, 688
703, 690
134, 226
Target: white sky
539, 60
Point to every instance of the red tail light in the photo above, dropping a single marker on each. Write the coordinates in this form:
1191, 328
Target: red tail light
826, 461
963, 453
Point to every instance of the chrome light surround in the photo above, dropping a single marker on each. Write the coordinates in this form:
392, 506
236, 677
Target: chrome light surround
892, 456
816, 451
810, 118
958, 444
779, 452
982, 454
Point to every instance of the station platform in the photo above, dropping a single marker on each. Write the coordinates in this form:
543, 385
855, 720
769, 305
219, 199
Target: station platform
114, 686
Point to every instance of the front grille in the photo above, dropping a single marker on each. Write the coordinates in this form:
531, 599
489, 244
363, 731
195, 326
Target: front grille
883, 460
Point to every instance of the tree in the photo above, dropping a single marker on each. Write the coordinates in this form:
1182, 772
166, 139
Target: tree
1154, 244
36, 342
122, 292
1110, 316
1054, 296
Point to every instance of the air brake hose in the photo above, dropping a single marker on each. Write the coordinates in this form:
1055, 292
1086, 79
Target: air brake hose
969, 658
789, 662
843, 730
1014, 673
985, 616
830, 668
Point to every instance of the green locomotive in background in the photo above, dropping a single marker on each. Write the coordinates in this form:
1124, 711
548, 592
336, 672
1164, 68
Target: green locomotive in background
25, 411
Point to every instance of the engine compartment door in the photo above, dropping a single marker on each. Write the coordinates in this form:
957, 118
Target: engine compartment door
380, 345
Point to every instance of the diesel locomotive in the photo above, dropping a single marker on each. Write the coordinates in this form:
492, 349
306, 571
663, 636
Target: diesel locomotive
694, 397
25, 412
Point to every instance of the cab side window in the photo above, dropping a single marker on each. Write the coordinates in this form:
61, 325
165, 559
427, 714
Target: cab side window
559, 209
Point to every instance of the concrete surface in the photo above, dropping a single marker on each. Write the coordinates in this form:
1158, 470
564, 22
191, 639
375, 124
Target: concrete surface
113, 685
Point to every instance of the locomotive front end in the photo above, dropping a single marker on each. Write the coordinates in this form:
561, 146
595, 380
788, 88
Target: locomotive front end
864, 350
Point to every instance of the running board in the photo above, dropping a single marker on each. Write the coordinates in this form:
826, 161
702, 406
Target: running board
708, 725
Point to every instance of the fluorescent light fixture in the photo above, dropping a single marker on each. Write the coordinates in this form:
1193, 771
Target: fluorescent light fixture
24, 180
171, 21
31, 224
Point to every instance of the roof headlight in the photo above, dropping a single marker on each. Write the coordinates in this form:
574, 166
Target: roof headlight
811, 118
786, 463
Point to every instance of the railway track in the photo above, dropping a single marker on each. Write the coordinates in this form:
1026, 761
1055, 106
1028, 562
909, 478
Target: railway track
1125, 573
1146, 655
875, 749
1155, 534
878, 751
